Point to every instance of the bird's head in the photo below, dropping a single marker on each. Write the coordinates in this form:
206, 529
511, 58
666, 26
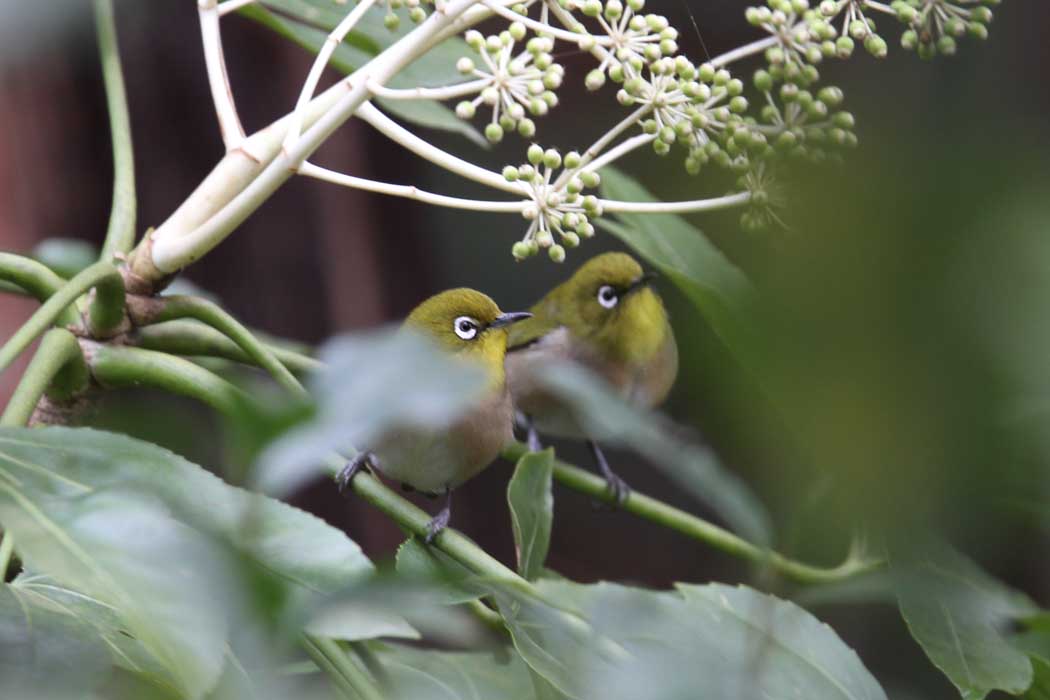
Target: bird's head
610, 304
468, 324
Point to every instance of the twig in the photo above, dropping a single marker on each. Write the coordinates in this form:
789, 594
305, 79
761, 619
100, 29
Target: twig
37, 279
218, 80
58, 360
684, 207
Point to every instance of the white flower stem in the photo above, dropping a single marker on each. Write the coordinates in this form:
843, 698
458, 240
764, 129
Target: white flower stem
424, 149
218, 80
743, 51
409, 191
424, 93
622, 149
170, 253
542, 28
684, 207
598, 146
232, 6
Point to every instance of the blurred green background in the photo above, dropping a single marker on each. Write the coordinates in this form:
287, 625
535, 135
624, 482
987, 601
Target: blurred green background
905, 326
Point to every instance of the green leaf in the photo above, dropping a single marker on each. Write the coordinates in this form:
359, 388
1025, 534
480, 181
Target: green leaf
451, 580
681, 252
532, 510
710, 641
45, 653
957, 613
1040, 688
65, 256
416, 674
606, 417
142, 530
436, 68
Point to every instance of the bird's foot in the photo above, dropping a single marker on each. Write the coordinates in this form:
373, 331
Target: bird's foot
532, 438
347, 473
440, 521
618, 488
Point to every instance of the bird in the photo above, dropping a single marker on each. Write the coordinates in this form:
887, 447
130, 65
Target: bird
463, 323
607, 318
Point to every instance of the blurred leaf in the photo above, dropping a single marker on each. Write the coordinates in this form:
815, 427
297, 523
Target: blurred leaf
710, 641
434, 69
417, 674
65, 256
606, 417
958, 613
1040, 688
372, 384
716, 286
353, 621
417, 562
138, 528
873, 587
45, 653
531, 510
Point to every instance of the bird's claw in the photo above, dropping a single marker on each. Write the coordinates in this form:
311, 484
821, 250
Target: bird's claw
348, 472
438, 523
619, 490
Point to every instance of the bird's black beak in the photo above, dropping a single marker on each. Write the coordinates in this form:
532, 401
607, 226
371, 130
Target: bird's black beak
509, 318
643, 281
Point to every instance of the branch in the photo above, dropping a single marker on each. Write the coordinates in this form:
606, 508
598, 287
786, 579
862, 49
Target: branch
106, 309
122, 366
58, 360
697, 528
341, 668
541, 28
427, 93
743, 51
394, 131
120, 233
622, 149
196, 339
685, 207
218, 80
174, 307
36, 278
598, 146
409, 191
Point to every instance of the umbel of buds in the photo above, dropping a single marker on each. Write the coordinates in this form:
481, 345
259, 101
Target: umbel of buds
935, 25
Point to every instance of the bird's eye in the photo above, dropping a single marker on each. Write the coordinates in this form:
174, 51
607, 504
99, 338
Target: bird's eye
465, 327
607, 296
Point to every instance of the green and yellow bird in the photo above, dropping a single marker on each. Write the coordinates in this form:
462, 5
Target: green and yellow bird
466, 324
607, 318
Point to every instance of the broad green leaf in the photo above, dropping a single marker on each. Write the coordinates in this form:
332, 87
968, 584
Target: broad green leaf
608, 418
710, 641
353, 620
371, 384
681, 252
65, 256
1040, 688
416, 674
532, 510
435, 69
45, 653
145, 532
957, 613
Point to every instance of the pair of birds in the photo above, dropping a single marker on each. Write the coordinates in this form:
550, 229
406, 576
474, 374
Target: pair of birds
605, 317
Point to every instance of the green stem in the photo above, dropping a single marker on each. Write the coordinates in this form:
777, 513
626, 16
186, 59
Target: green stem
121, 366
193, 338
37, 279
7, 548
120, 234
207, 312
345, 668
104, 308
328, 666
59, 360
698, 528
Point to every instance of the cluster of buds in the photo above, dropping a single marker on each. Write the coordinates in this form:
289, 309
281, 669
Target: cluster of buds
558, 208
392, 21
934, 25
765, 199
807, 36
515, 86
803, 124
636, 39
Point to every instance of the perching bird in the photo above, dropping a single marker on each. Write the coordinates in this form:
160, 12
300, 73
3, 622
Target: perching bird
466, 324
607, 318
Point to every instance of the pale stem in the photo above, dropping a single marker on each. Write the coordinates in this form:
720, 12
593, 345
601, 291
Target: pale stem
319, 64
621, 150
233, 6
424, 149
218, 80
408, 191
743, 51
424, 93
540, 27
170, 254
569, 22
600, 145
684, 207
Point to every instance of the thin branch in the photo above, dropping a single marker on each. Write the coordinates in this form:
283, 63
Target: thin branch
601, 144
36, 278
425, 93
424, 149
58, 360
346, 668
120, 233
743, 51
218, 80
409, 191
101, 275
541, 28
621, 149
232, 6
175, 307
697, 528
320, 62
685, 207
192, 338
342, 684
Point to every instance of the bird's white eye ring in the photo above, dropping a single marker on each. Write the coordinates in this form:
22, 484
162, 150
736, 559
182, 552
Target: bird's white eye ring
465, 327
607, 296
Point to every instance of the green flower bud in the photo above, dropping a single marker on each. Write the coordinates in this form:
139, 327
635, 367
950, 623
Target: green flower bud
799, 6
828, 49
535, 154
955, 26
817, 109
858, 29
490, 96
544, 239
909, 40
537, 107
831, 96
721, 77
786, 140
981, 14
465, 110
526, 128
977, 30
692, 165
544, 61
574, 186
946, 45
906, 13
926, 50
517, 31
493, 44
592, 8
507, 123
636, 5
526, 172
585, 230
613, 9
738, 104
590, 178
474, 39
551, 158
661, 148
510, 173
591, 205
465, 65
556, 253
789, 92
594, 80
616, 73
734, 87
521, 250
876, 45
828, 8
753, 16
494, 133
763, 81
570, 239
667, 135
649, 126
549, 98
814, 54
391, 21
706, 73
417, 14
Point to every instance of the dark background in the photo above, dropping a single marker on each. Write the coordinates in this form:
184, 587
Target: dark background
907, 299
